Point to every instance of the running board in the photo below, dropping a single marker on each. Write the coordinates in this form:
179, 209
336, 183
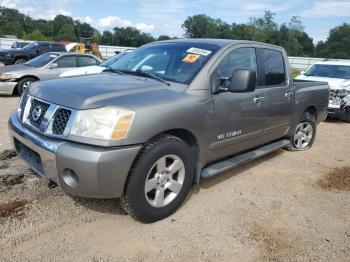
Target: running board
228, 164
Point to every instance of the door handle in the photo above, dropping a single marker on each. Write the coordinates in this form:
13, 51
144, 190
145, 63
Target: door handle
288, 95
259, 100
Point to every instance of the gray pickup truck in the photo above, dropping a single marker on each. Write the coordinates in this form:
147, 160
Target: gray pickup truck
163, 117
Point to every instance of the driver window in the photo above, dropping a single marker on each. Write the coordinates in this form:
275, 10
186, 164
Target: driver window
241, 58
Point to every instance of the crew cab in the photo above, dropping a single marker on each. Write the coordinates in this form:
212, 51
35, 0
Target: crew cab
34, 49
163, 117
337, 75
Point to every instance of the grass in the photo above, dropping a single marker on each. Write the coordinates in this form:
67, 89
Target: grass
295, 72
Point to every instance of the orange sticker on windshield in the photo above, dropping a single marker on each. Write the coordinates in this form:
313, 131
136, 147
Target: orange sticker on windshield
191, 58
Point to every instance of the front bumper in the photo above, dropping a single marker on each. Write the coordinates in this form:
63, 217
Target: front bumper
6, 88
79, 169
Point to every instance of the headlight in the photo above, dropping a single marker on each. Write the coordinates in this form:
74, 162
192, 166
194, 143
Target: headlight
6, 76
108, 123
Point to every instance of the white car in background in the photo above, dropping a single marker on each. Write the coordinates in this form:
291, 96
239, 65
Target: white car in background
89, 70
337, 74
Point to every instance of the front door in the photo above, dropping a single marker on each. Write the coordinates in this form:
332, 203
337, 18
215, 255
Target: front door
64, 63
238, 121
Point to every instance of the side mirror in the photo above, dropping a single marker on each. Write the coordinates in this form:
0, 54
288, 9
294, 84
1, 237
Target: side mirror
52, 66
242, 80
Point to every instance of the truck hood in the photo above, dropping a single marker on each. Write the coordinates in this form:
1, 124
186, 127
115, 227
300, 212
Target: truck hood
93, 91
334, 83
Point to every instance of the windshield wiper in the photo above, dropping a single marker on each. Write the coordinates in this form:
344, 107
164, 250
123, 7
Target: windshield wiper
145, 74
109, 69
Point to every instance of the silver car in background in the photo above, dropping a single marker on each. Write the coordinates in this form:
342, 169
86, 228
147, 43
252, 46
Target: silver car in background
16, 78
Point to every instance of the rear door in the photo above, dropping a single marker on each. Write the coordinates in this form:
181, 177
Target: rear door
278, 93
238, 117
84, 60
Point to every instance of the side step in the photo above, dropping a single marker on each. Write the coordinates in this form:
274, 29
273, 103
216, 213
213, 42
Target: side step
235, 161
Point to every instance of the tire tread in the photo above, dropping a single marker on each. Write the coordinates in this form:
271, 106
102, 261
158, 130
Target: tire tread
125, 198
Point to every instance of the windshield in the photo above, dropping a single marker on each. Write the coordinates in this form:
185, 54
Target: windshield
41, 60
30, 46
113, 59
177, 62
332, 71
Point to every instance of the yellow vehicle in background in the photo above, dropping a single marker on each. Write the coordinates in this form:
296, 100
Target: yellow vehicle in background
85, 46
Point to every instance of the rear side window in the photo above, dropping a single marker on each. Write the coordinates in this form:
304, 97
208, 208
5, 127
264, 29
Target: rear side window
87, 61
67, 61
57, 48
273, 67
44, 47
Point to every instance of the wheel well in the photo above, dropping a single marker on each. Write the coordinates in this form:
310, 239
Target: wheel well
185, 135
19, 79
21, 57
311, 110
190, 139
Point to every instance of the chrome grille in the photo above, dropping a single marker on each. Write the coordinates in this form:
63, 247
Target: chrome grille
47, 118
60, 120
37, 112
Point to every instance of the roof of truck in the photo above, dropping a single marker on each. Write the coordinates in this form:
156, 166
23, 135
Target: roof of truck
219, 42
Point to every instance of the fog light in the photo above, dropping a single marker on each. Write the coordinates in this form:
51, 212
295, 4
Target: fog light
70, 178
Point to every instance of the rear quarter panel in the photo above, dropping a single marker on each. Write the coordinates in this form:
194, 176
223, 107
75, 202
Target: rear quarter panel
311, 94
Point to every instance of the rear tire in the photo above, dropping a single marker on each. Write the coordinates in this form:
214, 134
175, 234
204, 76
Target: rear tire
24, 83
20, 61
159, 180
304, 134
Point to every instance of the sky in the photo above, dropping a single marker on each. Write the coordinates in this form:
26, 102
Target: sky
159, 17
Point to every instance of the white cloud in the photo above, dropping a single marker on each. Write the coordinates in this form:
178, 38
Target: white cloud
85, 19
328, 9
38, 9
144, 27
109, 22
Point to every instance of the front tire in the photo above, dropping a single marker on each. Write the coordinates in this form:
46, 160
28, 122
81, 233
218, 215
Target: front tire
159, 180
24, 84
20, 61
304, 134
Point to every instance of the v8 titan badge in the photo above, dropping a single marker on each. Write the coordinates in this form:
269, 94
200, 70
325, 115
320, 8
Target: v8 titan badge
191, 58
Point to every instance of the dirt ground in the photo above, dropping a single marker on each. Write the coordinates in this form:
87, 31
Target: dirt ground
283, 207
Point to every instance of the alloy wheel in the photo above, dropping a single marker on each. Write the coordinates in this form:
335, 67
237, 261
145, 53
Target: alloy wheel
303, 135
164, 181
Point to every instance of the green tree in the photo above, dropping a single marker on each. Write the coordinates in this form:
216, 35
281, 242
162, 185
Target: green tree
83, 29
130, 36
107, 38
337, 44
66, 32
164, 37
35, 35
199, 26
